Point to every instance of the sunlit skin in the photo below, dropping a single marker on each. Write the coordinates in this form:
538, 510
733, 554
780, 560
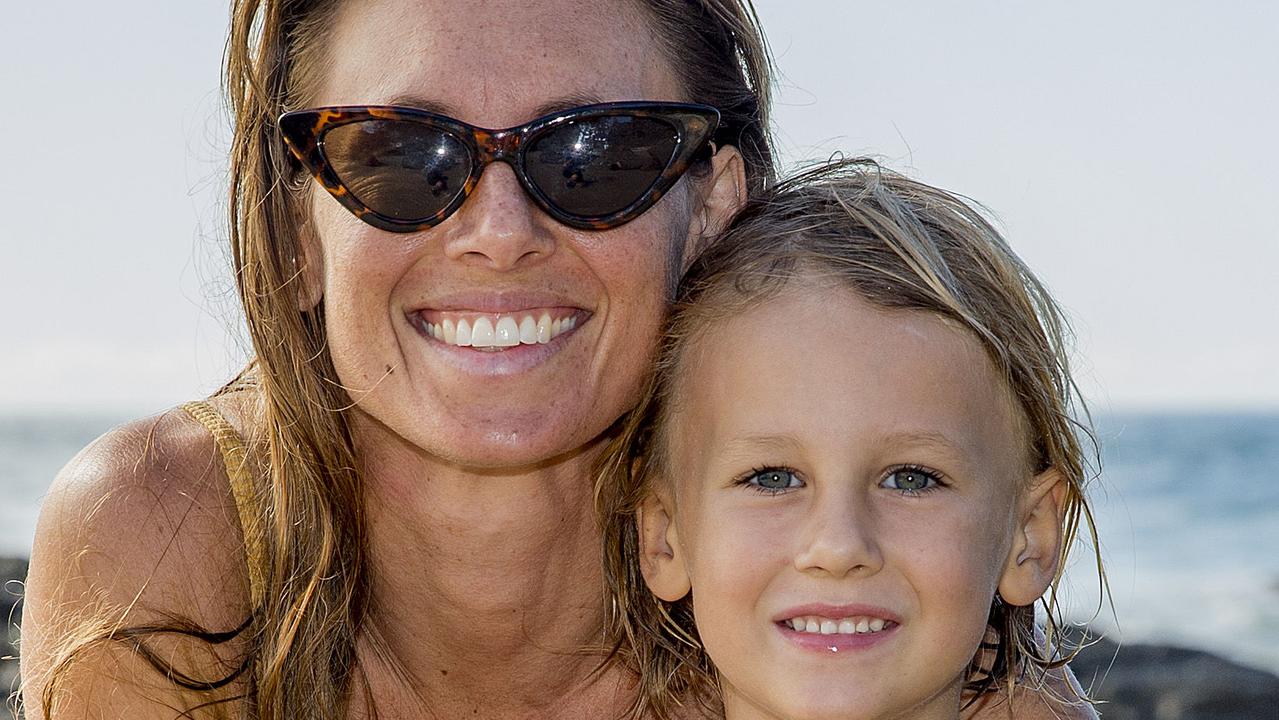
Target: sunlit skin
827, 452
483, 551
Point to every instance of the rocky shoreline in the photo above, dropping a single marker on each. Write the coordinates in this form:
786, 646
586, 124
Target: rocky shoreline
1140, 682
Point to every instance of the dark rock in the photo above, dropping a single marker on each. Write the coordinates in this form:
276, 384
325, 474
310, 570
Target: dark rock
1157, 682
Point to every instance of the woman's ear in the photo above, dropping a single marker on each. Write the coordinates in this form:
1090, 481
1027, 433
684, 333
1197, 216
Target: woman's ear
1036, 549
661, 557
308, 268
719, 197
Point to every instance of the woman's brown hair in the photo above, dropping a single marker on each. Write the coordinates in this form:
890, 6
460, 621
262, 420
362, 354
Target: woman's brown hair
901, 245
312, 592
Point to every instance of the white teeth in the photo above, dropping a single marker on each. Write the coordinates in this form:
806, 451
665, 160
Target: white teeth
499, 331
830, 626
544, 329
482, 332
507, 332
528, 330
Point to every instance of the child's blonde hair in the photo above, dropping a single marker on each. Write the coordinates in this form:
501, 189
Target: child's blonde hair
900, 244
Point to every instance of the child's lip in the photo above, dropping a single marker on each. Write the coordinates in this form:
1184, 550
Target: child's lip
837, 612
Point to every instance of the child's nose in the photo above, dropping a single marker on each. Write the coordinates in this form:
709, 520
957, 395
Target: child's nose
839, 539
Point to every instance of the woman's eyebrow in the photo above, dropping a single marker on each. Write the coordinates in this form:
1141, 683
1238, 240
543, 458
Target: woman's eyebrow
567, 102
554, 105
422, 103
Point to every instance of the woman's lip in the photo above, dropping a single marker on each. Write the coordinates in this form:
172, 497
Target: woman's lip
435, 315
496, 302
494, 362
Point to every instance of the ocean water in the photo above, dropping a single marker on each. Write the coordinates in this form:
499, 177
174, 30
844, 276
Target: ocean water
1187, 509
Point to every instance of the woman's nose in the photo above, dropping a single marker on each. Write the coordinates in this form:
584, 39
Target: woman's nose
498, 224
839, 538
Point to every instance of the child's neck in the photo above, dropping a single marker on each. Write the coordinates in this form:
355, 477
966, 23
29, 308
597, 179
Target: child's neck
943, 706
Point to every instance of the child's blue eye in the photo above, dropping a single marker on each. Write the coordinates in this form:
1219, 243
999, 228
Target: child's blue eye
911, 480
772, 480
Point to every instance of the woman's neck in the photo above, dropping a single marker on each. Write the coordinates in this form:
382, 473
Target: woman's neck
487, 590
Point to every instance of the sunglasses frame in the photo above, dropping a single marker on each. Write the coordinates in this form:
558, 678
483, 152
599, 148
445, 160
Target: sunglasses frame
304, 132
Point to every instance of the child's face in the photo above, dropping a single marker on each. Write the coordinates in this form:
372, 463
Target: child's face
856, 473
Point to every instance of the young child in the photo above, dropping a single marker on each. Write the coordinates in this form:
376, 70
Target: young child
855, 461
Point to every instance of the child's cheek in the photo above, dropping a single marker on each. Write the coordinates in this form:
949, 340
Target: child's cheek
743, 546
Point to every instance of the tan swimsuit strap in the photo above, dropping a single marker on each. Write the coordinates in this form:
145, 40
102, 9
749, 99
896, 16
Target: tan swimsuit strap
235, 459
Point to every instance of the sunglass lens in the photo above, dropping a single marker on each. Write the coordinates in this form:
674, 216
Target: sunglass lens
598, 166
401, 170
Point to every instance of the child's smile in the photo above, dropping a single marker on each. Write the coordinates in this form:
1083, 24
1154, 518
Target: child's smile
845, 507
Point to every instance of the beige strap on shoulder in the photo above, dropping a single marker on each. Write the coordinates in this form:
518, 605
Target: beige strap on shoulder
235, 459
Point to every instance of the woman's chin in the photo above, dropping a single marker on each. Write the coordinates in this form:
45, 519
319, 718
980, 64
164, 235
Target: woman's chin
498, 440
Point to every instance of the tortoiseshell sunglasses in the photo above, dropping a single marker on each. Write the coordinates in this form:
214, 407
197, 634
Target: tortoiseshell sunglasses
593, 167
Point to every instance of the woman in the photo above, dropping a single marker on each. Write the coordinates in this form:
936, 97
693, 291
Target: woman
407, 522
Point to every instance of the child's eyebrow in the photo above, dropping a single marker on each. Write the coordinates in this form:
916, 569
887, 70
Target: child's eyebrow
913, 438
924, 438
780, 443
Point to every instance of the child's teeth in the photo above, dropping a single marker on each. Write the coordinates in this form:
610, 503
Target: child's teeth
830, 626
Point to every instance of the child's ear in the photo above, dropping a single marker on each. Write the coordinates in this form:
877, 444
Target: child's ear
1036, 549
661, 557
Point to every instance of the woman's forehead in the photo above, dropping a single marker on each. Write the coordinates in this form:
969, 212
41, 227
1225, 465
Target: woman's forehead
498, 63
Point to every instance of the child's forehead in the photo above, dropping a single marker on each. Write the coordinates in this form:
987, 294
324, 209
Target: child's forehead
818, 363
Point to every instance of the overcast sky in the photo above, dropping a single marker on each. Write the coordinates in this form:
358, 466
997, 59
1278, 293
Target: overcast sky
1129, 148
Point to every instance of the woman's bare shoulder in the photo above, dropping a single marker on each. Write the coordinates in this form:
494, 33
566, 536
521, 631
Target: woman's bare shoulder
145, 514
140, 528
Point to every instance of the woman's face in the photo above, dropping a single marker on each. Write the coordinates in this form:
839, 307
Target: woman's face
497, 64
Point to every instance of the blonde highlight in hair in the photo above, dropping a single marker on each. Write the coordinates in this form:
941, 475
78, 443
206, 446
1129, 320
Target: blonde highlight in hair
900, 245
